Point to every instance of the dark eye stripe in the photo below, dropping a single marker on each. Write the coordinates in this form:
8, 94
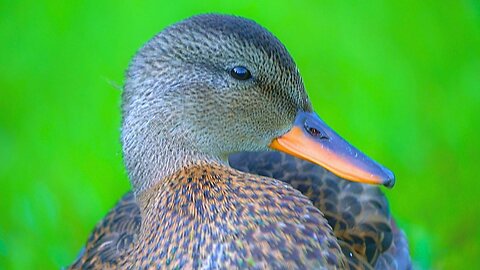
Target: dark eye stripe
240, 73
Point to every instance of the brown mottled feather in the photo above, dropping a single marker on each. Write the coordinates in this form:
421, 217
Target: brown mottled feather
357, 212
398, 255
113, 235
216, 217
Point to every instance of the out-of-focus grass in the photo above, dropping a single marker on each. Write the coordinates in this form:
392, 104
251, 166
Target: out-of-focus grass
399, 79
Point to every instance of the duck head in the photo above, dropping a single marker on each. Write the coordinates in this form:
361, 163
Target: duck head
213, 85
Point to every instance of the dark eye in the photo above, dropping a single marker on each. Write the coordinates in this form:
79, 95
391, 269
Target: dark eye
240, 73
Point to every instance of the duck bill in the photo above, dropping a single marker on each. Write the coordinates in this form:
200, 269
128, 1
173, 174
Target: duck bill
312, 140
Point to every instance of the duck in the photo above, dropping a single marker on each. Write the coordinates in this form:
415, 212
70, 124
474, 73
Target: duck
231, 168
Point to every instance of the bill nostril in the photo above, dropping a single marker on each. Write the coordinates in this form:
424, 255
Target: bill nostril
315, 132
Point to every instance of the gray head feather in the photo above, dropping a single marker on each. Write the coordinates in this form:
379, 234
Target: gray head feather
180, 104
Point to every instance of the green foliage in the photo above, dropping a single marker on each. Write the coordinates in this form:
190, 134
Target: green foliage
399, 79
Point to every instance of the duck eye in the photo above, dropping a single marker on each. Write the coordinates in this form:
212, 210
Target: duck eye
240, 73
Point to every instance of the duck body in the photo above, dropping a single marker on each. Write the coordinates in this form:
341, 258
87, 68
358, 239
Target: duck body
357, 214
212, 216
205, 88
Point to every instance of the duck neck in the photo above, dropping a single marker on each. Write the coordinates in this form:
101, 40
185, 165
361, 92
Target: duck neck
151, 158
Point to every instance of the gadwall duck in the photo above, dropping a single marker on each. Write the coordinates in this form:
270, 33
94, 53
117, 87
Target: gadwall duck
205, 88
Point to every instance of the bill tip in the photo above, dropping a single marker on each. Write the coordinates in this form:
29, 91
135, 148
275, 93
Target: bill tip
389, 179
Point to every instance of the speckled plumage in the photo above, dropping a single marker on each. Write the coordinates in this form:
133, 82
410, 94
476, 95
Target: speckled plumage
358, 214
183, 115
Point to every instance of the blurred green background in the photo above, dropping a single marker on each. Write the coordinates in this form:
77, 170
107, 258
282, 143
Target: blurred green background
399, 79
